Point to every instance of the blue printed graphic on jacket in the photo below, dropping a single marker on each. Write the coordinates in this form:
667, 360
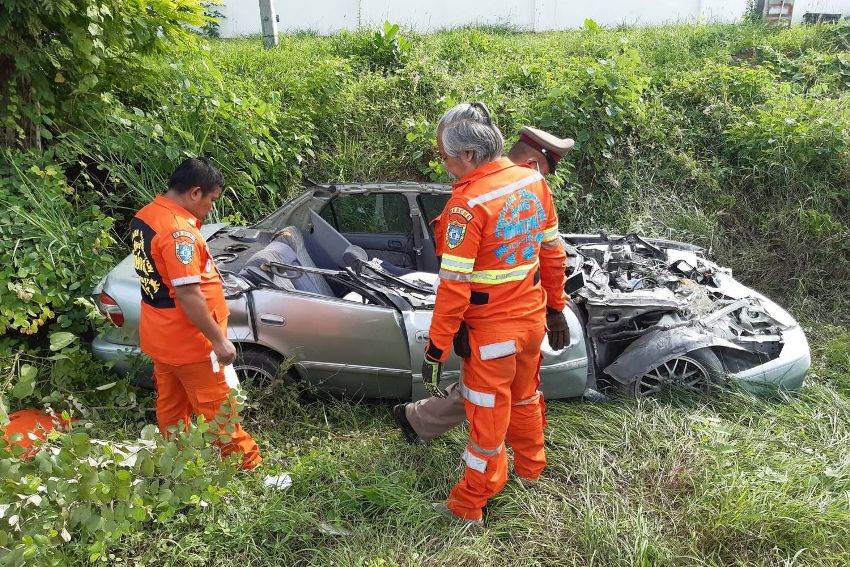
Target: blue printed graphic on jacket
520, 224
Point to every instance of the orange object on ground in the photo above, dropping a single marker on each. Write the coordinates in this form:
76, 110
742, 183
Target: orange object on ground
169, 251
502, 263
35, 422
195, 389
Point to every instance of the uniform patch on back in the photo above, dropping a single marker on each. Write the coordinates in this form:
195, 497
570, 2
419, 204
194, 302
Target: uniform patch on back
454, 234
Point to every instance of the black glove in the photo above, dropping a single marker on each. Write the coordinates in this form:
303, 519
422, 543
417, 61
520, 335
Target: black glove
431, 372
557, 329
461, 341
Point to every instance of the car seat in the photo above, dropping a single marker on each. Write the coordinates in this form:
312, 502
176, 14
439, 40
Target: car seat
287, 247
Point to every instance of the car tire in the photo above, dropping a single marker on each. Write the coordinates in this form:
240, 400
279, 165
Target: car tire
697, 372
260, 369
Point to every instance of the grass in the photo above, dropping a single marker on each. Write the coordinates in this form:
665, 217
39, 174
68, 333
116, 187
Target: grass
728, 480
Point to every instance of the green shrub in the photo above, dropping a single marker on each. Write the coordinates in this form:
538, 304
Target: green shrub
795, 138
132, 151
57, 50
79, 496
55, 244
600, 108
385, 49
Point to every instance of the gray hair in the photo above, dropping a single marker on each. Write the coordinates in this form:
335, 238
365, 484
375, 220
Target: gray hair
468, 127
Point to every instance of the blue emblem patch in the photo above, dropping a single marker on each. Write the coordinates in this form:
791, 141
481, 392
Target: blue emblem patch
454, 234
185, 252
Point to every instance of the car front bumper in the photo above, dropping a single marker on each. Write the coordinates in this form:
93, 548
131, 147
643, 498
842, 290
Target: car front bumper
784, 373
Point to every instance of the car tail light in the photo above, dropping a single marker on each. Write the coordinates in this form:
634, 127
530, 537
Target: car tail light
109, 307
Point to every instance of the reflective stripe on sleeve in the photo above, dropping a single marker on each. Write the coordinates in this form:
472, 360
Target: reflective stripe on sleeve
506, 190
481, 399
185, 281
529, 401
447, 275
474, 462
497, 350
501, 276
550, 234
557, 243
457, 264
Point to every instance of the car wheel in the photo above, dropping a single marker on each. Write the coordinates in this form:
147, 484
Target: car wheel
696, 371
259, 369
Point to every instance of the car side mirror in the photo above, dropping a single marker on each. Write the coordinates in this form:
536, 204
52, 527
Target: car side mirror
354, 257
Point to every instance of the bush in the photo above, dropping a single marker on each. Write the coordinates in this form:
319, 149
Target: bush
600, 108
79, 496
55, 244
795, 138
385, 49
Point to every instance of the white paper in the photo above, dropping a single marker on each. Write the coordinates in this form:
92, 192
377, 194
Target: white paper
278, 482
230, 377
214, 360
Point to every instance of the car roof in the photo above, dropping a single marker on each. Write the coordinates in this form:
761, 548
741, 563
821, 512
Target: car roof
386, 187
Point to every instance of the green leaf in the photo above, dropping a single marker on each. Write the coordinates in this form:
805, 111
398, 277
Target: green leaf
591, 25
61, 339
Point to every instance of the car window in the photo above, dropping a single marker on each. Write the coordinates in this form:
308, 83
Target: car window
295, 212
433, 204
369, 213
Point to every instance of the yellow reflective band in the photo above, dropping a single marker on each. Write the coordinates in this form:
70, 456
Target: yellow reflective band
461, 259
501, 276
457, 264
550, 234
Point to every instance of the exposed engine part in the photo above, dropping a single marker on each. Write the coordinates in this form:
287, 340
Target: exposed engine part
632, 289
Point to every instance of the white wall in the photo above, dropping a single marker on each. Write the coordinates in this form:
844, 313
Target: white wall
329, 16
322, 16
801, 7
430, 15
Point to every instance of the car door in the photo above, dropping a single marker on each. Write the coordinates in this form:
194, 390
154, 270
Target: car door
379, 222
338, 346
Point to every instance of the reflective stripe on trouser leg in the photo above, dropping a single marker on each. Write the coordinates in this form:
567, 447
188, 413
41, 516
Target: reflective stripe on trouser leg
487, 393
525, 431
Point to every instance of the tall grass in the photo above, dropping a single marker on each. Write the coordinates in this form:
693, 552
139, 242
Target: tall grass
729, 480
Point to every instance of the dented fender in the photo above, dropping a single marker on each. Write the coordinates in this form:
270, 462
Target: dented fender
656, 348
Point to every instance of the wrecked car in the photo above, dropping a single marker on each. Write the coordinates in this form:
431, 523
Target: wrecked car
339, 281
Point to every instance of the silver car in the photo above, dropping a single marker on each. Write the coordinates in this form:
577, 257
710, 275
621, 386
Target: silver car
340, 281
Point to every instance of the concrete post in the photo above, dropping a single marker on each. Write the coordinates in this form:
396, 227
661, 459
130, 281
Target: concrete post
268, 20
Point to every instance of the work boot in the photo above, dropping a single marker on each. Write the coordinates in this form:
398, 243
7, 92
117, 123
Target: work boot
443, 509
400, 417
594, 396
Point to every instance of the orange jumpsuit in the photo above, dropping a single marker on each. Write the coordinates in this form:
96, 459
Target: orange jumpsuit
169, 251
502, 262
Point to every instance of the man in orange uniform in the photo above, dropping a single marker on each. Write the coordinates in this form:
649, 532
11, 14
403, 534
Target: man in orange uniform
184, 314
428, 418
502, 264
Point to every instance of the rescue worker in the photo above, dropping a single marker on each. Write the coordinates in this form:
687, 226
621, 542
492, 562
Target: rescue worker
502, 269
428, 418
183, 323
